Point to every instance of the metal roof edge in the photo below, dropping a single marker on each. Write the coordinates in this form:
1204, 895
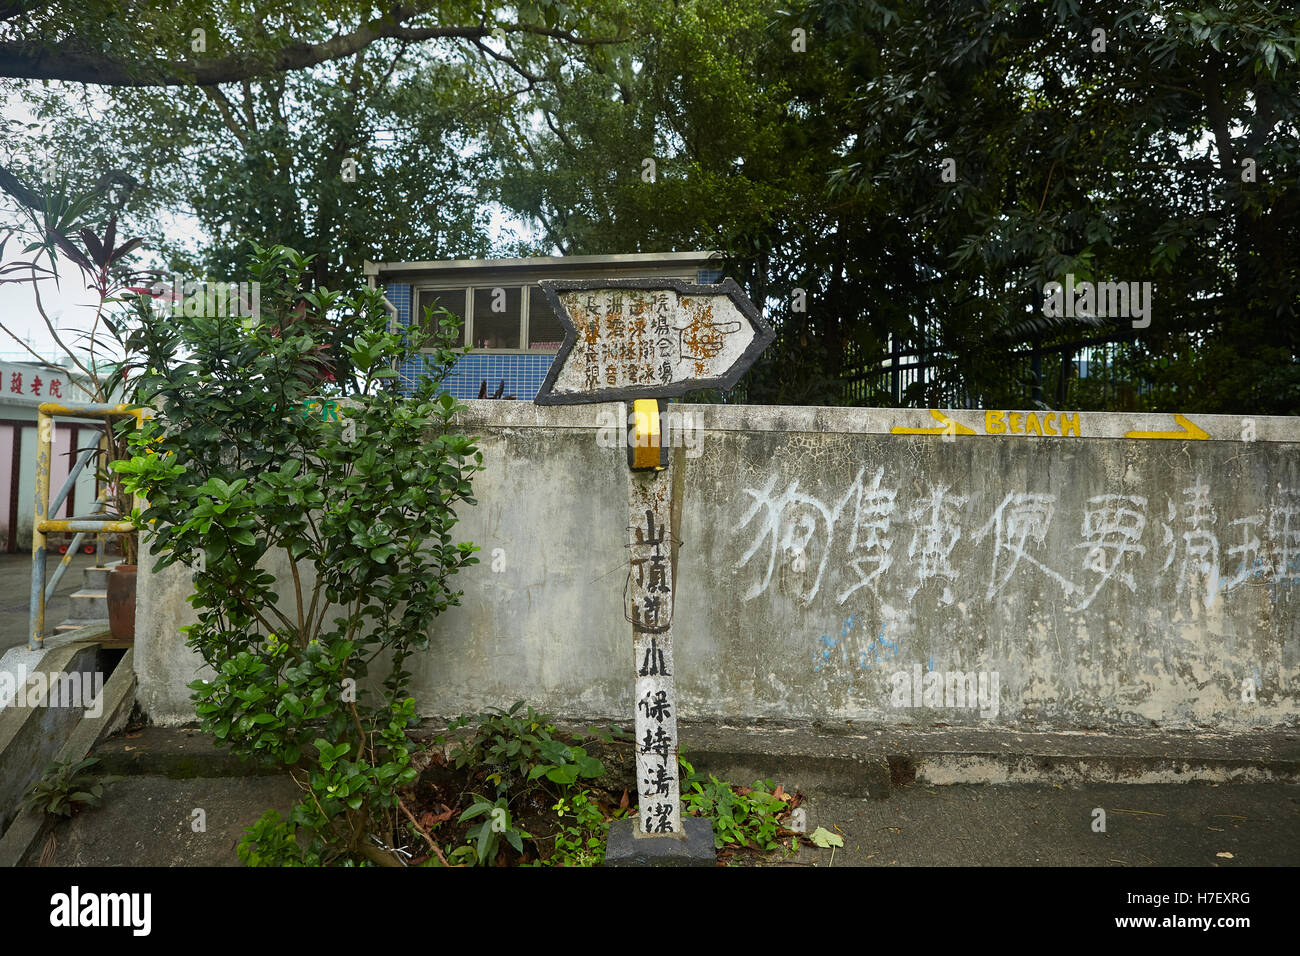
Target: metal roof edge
539, 262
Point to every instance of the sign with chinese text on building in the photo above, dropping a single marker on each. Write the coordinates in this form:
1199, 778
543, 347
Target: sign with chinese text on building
649, 338
32, 384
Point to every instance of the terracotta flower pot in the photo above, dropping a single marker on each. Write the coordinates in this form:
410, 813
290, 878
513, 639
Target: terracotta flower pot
121, 602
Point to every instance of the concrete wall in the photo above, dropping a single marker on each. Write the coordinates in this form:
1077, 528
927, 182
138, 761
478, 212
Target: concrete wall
1085, 570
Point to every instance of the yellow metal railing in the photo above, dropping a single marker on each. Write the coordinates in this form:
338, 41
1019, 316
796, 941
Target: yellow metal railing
43, 524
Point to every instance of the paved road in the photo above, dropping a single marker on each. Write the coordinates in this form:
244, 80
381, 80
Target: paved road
144, 822
15, 592
1047, 825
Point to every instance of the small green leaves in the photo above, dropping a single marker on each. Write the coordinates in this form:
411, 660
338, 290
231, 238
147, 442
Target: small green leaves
65, 788
566, 774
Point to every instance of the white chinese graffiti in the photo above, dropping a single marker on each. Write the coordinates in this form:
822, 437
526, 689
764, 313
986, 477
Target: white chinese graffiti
1112, 528
1022, 518
938, 529
869, 543
786, 523
845, 546
1200, 546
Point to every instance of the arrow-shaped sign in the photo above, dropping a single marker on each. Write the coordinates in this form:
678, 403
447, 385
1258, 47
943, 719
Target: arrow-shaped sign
649, 338
1190, 430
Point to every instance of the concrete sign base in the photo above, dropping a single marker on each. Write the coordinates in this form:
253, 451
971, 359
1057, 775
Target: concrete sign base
627, 847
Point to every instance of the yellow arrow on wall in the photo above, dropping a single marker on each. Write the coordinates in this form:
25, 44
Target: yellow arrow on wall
950, 427
1191, 431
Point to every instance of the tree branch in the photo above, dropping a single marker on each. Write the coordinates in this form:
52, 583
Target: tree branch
222, 104
1217, 112
509, 61
36, 60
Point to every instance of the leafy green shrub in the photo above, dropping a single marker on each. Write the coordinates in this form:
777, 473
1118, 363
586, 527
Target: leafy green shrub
486, 840
518, 752
273, 842
67, 787
739, 819
358, 506
522, 749
581, 839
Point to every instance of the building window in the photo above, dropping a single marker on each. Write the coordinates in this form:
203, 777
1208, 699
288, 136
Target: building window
498, 319
502, 318
545, 334
453, 300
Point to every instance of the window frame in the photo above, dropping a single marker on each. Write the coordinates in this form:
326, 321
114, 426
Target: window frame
469, 289
418, 292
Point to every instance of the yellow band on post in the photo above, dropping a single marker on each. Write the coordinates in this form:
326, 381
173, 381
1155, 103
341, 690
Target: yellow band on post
644, 450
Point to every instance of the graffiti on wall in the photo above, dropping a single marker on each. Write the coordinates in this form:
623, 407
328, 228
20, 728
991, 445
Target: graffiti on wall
870, 536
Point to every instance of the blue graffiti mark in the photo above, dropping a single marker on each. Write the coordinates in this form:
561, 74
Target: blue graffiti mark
825, 654
867, 653
892, 646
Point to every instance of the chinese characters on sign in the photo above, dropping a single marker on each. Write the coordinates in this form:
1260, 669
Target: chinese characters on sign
35, 384
649, 607
660, 339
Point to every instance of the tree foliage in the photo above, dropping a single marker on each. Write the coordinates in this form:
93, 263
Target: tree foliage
354, 507
808, 144
1112, 157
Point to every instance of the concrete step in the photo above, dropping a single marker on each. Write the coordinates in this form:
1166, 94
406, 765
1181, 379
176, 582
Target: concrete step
33, 737
96, 578
74, 624
89, 604
137, 822
878, 760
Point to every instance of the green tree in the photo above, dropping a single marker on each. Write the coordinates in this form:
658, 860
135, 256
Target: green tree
1107, 142
816, 162
350, 137
353, 499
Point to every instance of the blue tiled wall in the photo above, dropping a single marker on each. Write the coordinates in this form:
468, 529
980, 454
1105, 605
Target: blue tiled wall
399, 293
522, 374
